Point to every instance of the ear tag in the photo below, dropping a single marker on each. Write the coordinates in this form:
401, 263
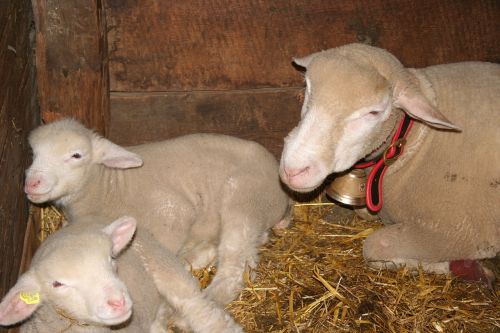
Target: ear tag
30, 297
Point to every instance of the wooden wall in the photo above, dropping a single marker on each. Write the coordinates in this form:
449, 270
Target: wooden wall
71, 61
18, 115
225, 65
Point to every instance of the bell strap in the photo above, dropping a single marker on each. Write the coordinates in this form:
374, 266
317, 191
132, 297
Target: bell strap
390, 155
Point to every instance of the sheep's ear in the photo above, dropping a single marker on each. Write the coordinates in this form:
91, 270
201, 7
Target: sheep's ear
114, 156
407, 94
121, 232
21, 300
304, 61
417, 106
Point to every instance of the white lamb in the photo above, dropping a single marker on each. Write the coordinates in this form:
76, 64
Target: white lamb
73, 286
202, 196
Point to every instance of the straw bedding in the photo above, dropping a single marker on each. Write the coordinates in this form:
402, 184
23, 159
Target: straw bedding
312, 278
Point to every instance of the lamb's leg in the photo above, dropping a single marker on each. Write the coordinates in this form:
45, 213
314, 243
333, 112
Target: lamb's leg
238, 249
159, 324
180, 290
248, 210
198, 255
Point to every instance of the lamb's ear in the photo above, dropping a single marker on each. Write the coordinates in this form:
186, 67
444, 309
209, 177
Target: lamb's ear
416, 105
114, 156
304, 61
121, 232
21, 300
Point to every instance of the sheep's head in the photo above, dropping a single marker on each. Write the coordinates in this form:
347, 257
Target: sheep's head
351, 106
63, 154
74, 272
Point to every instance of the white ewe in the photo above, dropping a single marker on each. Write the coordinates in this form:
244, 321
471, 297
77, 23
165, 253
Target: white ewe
443, 193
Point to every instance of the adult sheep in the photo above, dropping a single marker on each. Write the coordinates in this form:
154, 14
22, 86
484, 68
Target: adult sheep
73, 285
202, 196
443, 193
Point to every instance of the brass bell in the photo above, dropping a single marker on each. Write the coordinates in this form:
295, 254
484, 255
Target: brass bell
349, 188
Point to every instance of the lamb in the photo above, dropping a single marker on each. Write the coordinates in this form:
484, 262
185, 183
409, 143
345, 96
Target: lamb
204, 197
72, 285
441, 197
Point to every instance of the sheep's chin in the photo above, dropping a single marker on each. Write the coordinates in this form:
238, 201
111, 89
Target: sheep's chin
38, 198
304, 189
110, 321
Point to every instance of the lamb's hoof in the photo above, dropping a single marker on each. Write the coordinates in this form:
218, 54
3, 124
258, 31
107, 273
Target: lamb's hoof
219, 292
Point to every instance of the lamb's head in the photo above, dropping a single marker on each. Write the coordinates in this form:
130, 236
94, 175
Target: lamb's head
64, 152
74, 272
354, 96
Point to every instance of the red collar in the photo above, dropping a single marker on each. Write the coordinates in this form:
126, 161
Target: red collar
390, 155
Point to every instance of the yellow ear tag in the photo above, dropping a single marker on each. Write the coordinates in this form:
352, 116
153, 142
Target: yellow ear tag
30, 297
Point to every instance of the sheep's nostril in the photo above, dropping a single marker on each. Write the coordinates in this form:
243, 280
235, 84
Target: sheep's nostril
33, 184
117, 303
292, 173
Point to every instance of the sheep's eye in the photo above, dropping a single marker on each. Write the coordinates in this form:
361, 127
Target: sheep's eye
76, 156
374, 113
57, 284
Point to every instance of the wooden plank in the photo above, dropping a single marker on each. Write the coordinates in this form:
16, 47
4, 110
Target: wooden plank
71, 59
262, 115
18, 115
232, 44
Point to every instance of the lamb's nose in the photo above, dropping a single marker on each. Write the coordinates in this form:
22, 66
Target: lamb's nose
117, 304
31, 184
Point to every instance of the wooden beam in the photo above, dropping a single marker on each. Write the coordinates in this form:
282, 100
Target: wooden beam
18, 115
71, 61
262, 115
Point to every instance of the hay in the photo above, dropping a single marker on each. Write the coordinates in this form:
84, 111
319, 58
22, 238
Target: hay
50, 219
312, 278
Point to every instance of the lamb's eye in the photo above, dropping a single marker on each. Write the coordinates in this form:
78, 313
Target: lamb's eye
76, 156
57, 284
374, 113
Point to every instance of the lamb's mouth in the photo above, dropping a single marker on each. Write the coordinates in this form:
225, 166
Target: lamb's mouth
37, 197
116, 320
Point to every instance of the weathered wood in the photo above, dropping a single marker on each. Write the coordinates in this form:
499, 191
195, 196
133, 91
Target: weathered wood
233, 44
18, 115
263, 115
71, 61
